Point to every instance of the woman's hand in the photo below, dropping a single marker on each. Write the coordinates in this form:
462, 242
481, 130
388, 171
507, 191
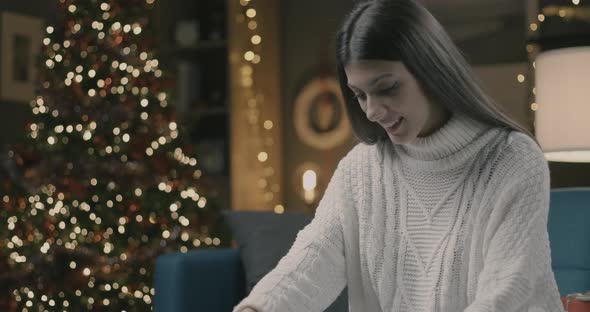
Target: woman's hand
248, 310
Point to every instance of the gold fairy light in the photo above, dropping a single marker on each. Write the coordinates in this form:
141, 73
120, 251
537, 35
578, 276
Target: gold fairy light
262, 156
248, 83
256, 59
268, 124
249, 56
251, 13
256, 39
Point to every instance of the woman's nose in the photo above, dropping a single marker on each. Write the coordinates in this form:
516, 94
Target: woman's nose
375, 111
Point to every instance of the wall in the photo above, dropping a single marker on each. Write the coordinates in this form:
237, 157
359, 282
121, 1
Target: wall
14, 115
307, 32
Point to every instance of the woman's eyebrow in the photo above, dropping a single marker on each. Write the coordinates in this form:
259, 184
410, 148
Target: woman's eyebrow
374, 80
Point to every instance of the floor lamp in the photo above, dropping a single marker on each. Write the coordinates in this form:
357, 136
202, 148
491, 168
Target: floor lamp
563, 96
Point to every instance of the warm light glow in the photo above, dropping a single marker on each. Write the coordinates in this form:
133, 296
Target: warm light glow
268, 124
309, 180
256, 59
562, 116
249, 55
256, 39
262, 156
251, 13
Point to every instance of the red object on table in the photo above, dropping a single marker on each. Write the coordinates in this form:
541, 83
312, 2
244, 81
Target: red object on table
576, 305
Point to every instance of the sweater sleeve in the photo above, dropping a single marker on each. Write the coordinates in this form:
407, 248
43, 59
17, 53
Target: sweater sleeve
517, 260
312, 274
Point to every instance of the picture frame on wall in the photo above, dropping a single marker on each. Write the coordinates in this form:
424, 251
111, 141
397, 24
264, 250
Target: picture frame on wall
20, 39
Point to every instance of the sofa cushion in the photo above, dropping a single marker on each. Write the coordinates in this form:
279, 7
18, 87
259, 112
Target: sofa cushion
263, 238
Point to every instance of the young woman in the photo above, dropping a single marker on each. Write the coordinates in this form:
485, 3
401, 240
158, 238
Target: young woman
442, 207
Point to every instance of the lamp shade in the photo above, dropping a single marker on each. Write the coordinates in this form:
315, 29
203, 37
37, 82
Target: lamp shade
563, 97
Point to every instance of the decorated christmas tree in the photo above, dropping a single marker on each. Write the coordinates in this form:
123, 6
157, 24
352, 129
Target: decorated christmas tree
104, 180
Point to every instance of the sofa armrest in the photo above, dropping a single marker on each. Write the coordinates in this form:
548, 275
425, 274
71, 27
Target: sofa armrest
199, 280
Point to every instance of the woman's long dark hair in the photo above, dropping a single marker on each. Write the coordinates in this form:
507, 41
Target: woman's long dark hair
403, 30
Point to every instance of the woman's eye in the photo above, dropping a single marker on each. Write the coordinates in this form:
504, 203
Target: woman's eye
390, 90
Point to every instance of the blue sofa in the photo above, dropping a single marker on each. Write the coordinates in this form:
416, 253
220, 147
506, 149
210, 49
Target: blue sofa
199, 280
569, 236
213, 280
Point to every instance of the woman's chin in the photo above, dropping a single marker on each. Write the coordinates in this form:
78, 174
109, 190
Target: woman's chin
400, 140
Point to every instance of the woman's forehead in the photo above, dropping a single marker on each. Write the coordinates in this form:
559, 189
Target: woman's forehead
369, 72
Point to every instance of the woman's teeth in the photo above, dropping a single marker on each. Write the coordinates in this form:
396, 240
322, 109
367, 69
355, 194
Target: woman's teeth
396, 122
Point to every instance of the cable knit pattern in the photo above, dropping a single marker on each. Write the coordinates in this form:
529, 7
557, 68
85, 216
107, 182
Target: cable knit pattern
456, 221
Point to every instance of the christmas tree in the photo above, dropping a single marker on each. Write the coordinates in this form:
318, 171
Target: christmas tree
104, 180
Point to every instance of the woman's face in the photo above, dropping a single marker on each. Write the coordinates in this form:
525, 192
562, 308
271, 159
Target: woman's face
390, 96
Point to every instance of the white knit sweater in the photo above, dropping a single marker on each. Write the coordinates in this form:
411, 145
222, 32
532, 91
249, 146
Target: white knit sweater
456, 221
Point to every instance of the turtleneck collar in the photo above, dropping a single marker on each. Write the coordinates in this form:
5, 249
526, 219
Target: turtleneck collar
453, 136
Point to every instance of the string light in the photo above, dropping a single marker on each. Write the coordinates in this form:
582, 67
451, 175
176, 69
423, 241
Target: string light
534, 26
255, 101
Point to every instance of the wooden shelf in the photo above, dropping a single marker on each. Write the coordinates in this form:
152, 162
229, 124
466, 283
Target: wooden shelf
201, 77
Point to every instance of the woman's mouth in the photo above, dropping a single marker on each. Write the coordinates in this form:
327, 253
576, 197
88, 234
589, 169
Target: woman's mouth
395, 126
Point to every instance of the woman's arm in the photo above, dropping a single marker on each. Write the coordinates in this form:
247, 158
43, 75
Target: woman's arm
312, 274
517, 257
